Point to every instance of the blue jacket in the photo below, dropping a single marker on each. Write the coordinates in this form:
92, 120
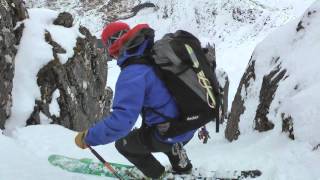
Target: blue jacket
137, 86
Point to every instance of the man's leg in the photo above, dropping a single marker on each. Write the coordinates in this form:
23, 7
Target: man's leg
138, 152
179, 160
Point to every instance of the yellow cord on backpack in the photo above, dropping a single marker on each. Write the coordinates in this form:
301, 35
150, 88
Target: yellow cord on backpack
203, 81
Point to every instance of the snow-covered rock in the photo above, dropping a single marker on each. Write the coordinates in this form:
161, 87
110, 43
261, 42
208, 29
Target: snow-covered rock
94, 14
279, 90
10, 13
224, 83
60, 76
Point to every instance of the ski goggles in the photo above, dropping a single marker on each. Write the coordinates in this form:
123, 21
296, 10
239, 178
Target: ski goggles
115, 37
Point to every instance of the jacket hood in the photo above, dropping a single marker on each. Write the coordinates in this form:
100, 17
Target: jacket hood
115, 48
141, 42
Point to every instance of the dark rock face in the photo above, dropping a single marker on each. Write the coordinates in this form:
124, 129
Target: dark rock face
245, 15
121, 9
210, 51
269, 86
111, 11
64, 19
139, 7
317, 147
232, 131
11, 11
267, 91
302, 24
287, 125
81, 85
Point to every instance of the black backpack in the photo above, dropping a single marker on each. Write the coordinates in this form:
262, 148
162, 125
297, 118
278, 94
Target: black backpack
179, 61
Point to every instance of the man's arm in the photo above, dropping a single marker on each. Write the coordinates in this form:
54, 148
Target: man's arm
127, 104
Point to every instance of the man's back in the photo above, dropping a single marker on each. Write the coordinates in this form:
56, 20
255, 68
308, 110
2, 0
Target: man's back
156, 95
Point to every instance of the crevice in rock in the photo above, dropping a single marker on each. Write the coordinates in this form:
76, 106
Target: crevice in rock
287, 125
268, 89
232, 131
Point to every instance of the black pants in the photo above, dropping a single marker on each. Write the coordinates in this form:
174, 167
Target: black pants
137, 147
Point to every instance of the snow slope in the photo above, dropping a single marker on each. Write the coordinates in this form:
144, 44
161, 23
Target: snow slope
234, 26
293, 48
24, 154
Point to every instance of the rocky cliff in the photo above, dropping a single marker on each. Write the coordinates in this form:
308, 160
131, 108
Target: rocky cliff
11, 12
80, 82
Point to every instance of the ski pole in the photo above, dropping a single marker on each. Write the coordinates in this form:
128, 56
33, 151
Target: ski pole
105, 163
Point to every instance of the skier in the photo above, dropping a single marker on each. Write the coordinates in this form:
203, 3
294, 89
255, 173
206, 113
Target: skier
138, 87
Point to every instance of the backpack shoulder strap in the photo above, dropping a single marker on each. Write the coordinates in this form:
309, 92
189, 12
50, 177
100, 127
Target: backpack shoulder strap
144, 59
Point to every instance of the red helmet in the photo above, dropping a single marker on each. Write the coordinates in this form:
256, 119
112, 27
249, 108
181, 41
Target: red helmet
113, 31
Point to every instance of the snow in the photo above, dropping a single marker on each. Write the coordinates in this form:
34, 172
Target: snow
44, 119
113, 73
297, 95
222, 77
27, 151
67, 37
33, 53
24, 153
54, 107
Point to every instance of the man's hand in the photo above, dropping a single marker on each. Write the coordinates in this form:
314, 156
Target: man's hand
79, 139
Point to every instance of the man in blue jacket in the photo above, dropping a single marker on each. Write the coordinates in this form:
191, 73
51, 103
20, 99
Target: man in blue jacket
137, 87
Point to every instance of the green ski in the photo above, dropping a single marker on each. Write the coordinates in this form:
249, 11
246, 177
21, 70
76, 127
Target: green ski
127, 172
89, 166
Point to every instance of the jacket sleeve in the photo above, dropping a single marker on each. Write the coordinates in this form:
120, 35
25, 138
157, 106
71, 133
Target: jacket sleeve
127, 104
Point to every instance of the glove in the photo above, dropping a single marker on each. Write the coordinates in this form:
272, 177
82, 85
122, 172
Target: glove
203, 135
79, 139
